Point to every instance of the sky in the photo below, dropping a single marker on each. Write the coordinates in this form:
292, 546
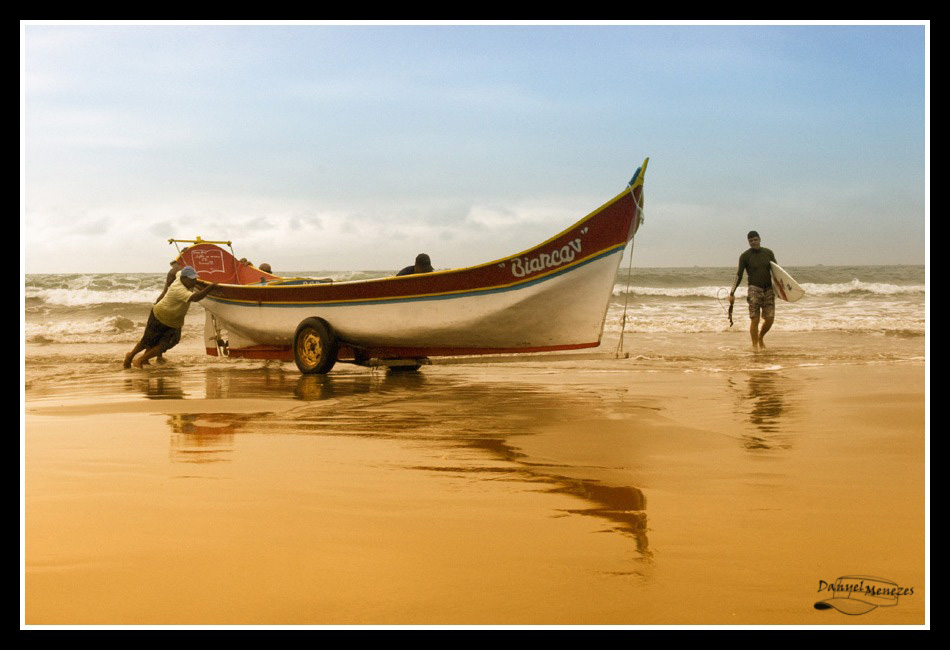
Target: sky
357, 146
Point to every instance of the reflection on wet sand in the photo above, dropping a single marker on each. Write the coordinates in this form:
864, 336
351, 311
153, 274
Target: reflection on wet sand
166, 384
623, 506
238, 383
203, 438
448, 418
765, 399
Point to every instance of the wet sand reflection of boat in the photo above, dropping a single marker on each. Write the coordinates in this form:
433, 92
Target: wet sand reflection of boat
551, 297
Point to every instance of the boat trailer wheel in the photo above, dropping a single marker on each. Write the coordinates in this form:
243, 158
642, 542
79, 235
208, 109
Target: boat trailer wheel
315, 347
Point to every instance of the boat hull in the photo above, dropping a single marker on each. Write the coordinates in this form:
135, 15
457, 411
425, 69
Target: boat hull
559, 311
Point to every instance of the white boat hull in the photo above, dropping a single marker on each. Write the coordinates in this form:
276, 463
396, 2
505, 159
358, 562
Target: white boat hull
558, 311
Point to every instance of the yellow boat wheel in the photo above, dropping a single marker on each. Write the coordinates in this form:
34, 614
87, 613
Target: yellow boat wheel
315, 347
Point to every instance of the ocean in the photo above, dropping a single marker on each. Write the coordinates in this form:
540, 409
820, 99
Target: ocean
673, 316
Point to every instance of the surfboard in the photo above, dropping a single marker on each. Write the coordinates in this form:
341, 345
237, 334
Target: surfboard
785, 286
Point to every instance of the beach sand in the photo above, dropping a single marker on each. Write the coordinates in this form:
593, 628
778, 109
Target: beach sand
588, 492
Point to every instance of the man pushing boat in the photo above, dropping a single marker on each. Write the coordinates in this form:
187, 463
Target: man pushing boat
163, 329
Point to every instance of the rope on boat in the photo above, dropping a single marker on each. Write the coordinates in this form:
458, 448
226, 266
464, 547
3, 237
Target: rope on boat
626, 293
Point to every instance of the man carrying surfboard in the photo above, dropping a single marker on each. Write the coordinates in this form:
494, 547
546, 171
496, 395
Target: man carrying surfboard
757, 263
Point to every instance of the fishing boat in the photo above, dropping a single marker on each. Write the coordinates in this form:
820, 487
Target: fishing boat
551, 297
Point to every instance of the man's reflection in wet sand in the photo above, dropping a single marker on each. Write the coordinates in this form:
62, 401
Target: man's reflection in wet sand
765, 401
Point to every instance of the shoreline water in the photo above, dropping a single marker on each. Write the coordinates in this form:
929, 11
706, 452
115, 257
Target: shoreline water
102, 307
692, 483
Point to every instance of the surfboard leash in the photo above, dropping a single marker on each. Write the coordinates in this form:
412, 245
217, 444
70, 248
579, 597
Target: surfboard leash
727, 311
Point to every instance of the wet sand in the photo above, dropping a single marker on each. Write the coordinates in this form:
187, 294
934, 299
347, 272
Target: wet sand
610, 492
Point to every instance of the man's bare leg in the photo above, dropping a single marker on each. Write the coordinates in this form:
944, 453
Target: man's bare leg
766, 326
150, 353
754, 331
131, 355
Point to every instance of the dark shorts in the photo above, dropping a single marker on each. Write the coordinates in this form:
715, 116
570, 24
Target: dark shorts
761, 300
157, 333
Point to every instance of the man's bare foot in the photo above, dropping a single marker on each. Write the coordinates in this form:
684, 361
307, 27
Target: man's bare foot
160, 360
138, 363
128, 361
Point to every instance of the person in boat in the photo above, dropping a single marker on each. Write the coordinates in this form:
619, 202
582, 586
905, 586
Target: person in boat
265, 267
755, 263
423, 265
163, 329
